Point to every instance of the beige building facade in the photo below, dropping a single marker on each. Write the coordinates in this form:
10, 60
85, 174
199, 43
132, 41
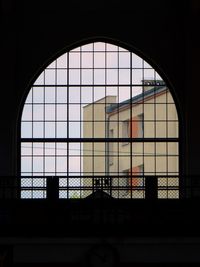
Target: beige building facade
145, 127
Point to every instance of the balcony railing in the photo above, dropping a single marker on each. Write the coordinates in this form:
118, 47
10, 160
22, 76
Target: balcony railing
116, 187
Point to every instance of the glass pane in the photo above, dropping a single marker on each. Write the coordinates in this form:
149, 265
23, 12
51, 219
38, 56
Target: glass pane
61, 77
49, 129
26, 164
124, 76
99, 60
38, 149
27, 113
112, 76
99, 76
61, 164
111, 47
50, 94
61, 112
74, 112
61, 149
74, 60
38, 112
149, 74
38, 165
112, 60
99, 93
137, 76
62, 61
99, 46
50, 164
87, 47
50, 149
74, 76
87, 60
26, 149
124, 60
26, 129
61, 130
74, 130
38, 94
50, 77
87, 76
38, 129
87, 95
136, 61
61, 94
50, 112
74, 94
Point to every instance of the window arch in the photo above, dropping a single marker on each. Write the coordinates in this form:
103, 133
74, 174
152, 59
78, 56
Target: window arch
99, 119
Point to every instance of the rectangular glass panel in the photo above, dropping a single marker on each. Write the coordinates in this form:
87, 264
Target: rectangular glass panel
99, 60
50, 76
74, 95
74, 76
111, 76
124, 60
61, 94
38, 112
50, 112
87, 76
112, 60
74, 60
38, 94
87, 60
99, 76
38, 129
61, 130
61, 77
61, 112
50, 94
124, 76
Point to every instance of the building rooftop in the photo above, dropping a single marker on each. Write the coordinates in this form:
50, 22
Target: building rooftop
136, 99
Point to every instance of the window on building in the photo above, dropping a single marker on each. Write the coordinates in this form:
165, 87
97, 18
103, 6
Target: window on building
133, 182
80, 112
110, 148
126, 129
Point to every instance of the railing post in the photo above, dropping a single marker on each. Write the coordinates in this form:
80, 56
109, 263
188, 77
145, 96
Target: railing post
151, 187
52, 187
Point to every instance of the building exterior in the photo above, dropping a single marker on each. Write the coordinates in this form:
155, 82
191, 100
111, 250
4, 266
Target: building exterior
143, 127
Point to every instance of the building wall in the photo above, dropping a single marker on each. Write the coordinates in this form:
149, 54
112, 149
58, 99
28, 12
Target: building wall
95, 126
160, 120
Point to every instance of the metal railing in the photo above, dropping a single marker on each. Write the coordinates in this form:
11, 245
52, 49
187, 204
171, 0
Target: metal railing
117, 187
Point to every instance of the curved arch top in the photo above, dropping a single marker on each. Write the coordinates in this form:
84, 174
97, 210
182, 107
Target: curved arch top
99, 117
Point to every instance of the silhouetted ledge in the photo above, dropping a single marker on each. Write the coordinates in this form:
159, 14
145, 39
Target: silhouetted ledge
99, 194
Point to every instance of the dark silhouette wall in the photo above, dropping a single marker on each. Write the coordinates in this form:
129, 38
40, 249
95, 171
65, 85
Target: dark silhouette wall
164, 32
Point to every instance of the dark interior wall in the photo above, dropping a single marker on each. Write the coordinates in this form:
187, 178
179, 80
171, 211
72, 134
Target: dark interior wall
165, 32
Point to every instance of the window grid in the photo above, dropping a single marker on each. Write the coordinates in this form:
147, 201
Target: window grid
94, 94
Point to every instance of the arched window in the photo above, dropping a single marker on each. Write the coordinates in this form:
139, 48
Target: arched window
99, 119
